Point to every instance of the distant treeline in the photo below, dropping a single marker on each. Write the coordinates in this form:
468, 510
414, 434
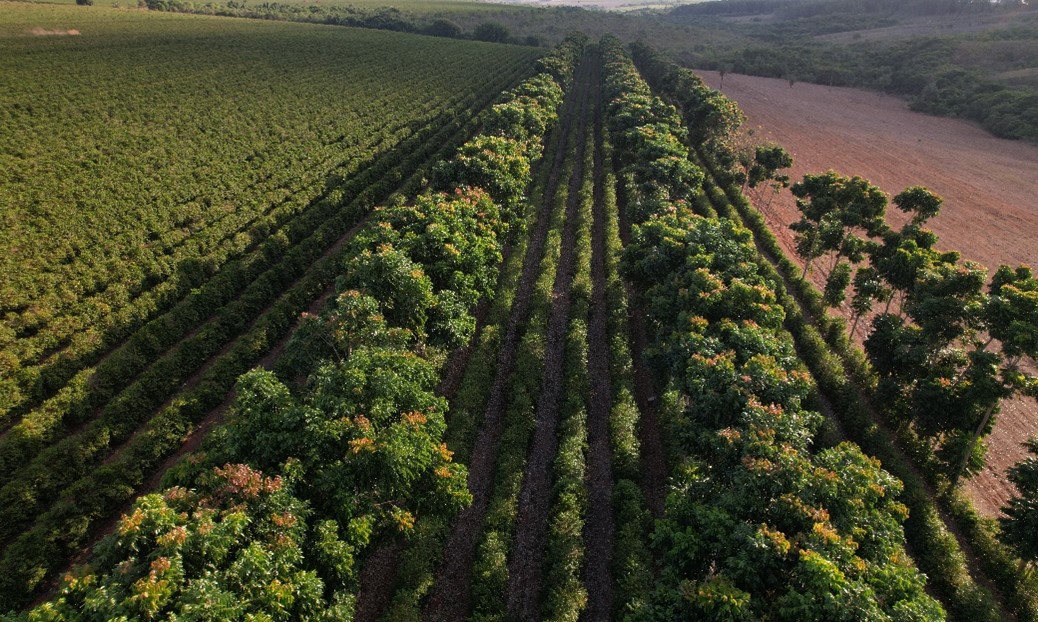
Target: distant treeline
930, 72
916, 69
798, 9
380, 18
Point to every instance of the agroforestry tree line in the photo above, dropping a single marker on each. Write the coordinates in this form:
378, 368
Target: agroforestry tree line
845, 378
939, 373
756, 525
270, 519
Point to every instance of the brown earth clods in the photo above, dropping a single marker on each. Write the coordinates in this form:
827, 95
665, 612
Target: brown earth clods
989, 186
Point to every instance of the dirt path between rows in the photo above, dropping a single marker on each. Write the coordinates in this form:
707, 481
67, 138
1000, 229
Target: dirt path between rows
379, 570
526, 560
599, 527
650, 437
451, 594
989, 185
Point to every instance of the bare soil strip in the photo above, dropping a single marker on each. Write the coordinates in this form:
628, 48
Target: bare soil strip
650, 438
376, 582
526, 559
599, 528
451, 593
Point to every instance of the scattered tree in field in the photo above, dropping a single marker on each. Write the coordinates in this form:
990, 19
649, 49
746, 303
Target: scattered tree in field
832, 209
768, 160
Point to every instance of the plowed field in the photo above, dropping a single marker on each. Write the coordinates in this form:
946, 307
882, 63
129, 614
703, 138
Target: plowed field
989, 186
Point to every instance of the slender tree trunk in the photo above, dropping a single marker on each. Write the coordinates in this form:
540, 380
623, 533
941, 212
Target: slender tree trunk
973, 442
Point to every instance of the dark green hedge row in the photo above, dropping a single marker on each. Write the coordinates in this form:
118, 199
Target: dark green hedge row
564, 595
632, 559
844, 375
742, 476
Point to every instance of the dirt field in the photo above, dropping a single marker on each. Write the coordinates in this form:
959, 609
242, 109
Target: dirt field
989, 186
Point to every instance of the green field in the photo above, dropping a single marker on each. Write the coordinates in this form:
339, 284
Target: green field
141, 154
172, 188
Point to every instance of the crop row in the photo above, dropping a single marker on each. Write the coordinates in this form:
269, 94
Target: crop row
843, 373
838, 368
154, 362
757, 524
358, 447
56, 466
89, 492
105, 488
492, 415
843, 376
564, 594
631, 568
291, 150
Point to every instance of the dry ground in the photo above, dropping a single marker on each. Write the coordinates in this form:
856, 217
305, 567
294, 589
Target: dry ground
989, 185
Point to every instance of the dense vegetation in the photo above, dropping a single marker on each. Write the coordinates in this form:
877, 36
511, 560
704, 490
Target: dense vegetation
556, 378
757, 526
271, 517
78, 452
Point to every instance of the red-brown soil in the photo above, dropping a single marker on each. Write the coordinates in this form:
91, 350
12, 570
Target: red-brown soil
989, 186
450, 599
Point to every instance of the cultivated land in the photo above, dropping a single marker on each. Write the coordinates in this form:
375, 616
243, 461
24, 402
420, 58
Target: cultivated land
175, 191
989, 186
526, 351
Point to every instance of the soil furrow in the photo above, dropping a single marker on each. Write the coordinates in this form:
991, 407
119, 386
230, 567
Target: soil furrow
379, 569
653, 459
525, 562
599, 529
451, 593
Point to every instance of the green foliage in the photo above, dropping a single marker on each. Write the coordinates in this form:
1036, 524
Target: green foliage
362, 437
649, 137
758, 526
711, 117
214, 202
843, 375
1019, 525
231, 549
493, 32
836, 284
